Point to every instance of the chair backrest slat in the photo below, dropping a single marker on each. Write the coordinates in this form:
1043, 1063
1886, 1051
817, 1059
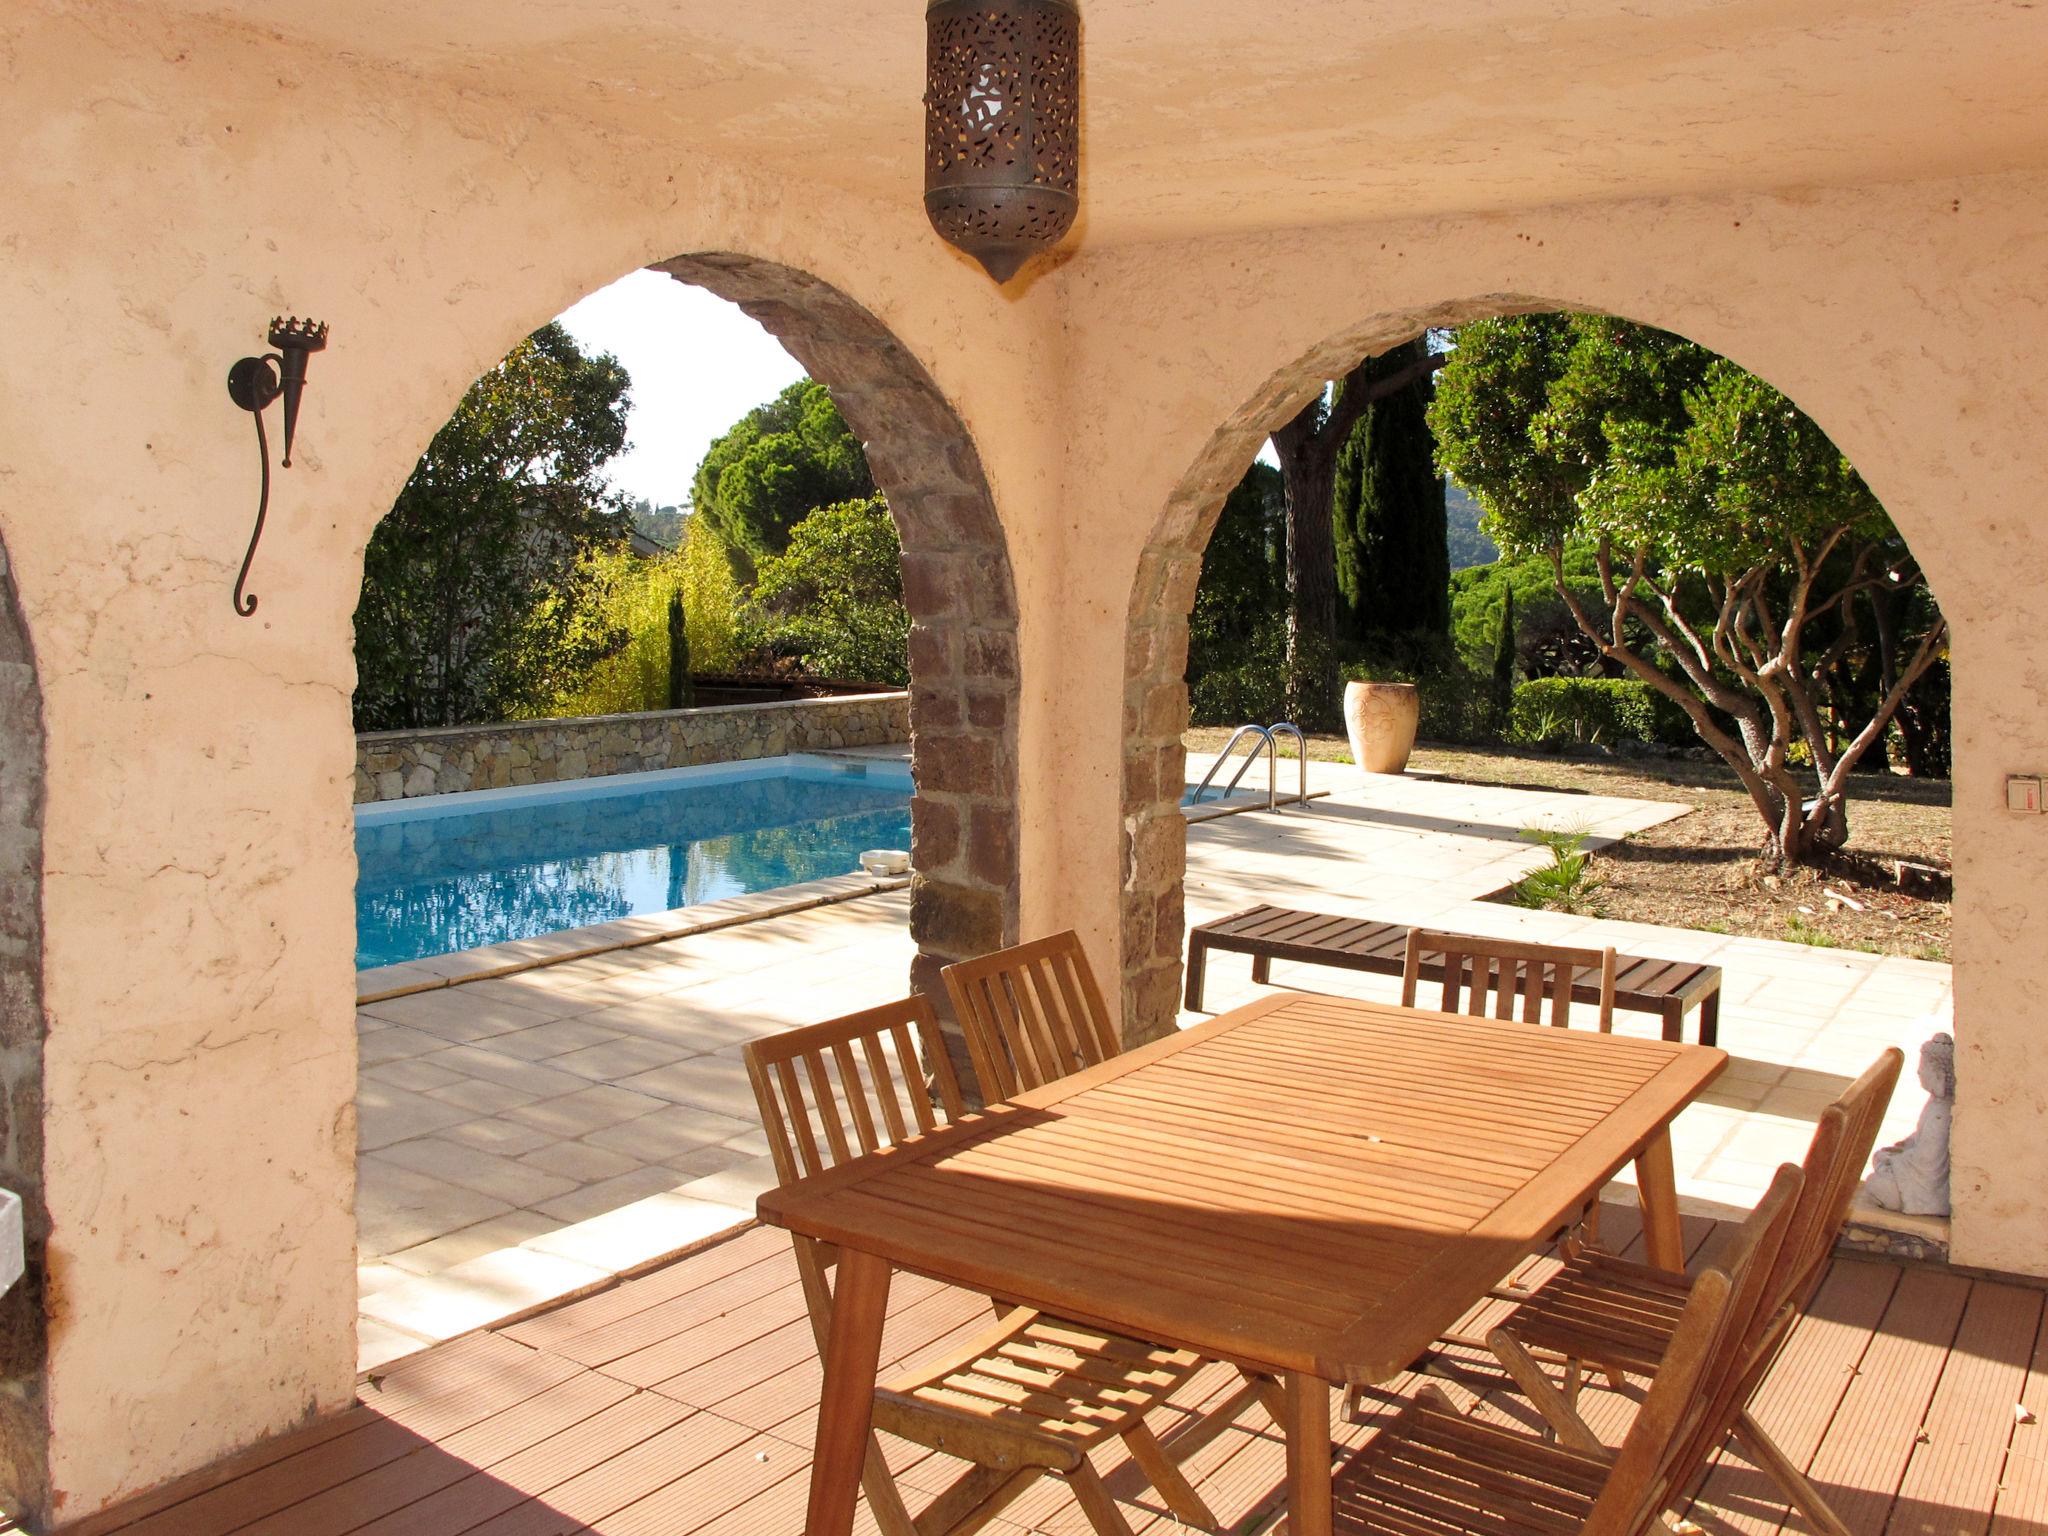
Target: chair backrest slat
1705, 1378
1032, 1014
857, 1095
825, 1101
810, 1083
1495, 975
796, 1105
878, 1064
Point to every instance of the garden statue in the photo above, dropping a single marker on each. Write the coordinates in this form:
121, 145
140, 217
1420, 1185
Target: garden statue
1912, 1177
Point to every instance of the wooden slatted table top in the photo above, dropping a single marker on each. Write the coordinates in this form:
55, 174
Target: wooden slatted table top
1305, 1183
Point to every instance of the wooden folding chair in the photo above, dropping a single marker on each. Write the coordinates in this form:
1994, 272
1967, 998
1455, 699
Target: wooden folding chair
1621, 1317
1028, 1396
1509, 973
1433, 1470
1032, 1014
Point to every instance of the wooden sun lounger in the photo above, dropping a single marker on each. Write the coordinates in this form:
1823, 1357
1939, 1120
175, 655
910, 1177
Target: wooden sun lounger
1668, 988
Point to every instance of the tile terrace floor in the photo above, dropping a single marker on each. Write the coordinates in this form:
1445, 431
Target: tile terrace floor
499, 1118
683, 1403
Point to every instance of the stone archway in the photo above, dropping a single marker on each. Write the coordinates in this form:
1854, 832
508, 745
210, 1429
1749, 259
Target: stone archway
1155, 707
24, 1315
1155, 704
956, 584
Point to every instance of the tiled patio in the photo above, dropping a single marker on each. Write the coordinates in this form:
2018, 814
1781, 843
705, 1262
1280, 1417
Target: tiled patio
528, 1137
683, 1403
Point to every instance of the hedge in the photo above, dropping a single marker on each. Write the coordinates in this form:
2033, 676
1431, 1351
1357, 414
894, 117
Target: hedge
1595, 711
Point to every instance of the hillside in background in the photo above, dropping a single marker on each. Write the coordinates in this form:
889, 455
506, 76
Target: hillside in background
664, 525
1469, 546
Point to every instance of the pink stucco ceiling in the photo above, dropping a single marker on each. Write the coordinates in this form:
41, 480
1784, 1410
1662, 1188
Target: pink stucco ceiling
1231, 114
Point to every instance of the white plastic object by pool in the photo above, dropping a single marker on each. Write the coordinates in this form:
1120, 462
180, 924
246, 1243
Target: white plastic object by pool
12, 1257
885, 861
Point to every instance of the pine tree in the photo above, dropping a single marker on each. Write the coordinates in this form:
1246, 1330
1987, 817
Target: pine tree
1387, 513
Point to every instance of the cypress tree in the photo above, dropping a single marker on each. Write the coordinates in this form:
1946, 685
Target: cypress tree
680, 693
1388, 526
1504, 664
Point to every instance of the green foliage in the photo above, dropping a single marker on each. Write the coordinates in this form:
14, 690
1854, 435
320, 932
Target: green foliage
680, 692
475, 583
1567, 883
1501, 701
638, 600
778, 464
1251, 684
833, 600
1593, 711
1548, 642
1748, 572
1243, 587
1387, 513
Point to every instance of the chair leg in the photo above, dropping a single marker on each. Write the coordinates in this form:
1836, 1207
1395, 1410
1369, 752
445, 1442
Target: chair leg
974, 1499
1559, 1408
1780, 1468
1262, 969
1095, 1501
1165, 1475
884, 1502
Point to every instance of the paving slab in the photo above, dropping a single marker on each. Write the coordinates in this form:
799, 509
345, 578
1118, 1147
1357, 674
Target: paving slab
582, 1095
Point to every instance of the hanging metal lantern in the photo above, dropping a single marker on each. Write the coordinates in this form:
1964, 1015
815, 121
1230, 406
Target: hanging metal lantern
1002, 126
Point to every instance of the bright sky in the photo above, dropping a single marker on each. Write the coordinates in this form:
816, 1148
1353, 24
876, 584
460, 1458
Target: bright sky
697, 364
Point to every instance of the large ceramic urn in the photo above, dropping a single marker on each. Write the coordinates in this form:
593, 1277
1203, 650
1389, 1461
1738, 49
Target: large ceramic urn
1380, 720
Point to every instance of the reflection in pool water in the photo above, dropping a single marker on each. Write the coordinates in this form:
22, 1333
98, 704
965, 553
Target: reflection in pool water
452, 872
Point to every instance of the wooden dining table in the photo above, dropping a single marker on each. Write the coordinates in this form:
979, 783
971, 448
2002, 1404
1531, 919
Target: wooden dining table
1310, 1186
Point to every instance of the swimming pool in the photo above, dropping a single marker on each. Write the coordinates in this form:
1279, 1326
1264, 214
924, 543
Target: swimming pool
450, 872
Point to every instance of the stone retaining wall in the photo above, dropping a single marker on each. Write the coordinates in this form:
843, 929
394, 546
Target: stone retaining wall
393, 765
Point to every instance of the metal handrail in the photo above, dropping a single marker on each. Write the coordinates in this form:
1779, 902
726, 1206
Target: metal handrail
1222, 757
1267, 734
1301, 745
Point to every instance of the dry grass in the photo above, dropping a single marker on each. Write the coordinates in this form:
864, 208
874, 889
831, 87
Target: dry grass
1701, 870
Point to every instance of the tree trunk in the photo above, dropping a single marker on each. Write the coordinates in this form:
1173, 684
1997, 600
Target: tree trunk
1309, 473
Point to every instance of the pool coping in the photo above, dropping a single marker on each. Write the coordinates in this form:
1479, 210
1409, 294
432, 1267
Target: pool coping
515, 955
487, 962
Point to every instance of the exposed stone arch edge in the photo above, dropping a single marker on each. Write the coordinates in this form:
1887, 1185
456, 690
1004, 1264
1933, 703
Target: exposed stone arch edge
957, 585
1152, 901
24, 1311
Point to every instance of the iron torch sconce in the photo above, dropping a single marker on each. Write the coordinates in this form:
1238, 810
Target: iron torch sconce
253, 383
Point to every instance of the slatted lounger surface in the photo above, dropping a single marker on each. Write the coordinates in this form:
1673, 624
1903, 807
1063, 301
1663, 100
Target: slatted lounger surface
1668, 988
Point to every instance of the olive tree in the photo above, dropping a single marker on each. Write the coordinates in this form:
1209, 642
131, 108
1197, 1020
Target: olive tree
1743, 563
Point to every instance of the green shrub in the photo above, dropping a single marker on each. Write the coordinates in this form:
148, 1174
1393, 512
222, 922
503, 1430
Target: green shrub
1594, 711
1566, 883
1253, 687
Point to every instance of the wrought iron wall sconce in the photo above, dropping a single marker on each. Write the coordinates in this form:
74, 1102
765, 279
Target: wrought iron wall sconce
252, 384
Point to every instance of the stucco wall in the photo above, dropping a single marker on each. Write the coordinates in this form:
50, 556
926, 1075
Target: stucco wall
396, 765
200, 1063
1911, 321
197, 858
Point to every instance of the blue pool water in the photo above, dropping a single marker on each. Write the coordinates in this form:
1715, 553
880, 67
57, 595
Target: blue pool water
452, 872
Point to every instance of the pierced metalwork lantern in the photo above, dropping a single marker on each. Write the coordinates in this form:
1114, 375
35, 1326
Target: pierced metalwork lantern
1002, 126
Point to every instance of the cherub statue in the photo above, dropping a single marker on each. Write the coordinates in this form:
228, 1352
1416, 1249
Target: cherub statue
1913, 1176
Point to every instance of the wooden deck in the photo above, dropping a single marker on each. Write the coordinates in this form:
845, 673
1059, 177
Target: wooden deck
681, 1402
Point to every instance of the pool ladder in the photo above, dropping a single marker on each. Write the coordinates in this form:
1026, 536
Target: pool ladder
1263, 737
